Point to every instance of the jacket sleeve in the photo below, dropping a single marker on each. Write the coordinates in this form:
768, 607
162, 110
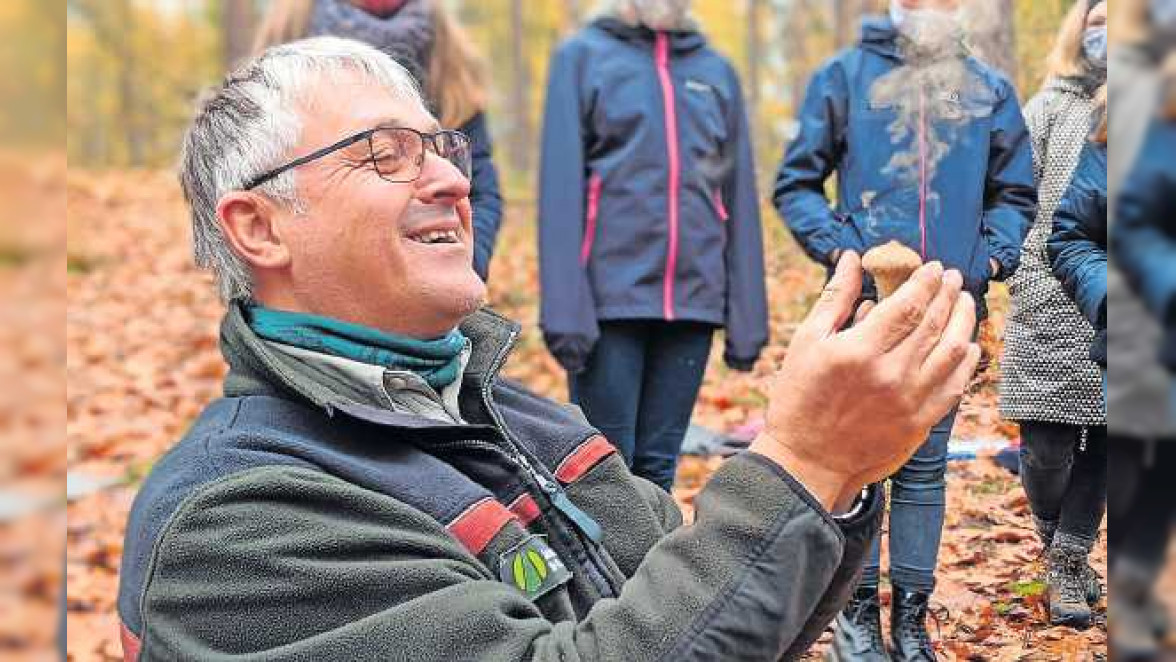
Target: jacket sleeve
1145, 249
567, 308
484, 194
1010, 189
747, 298
799, 194
293, 564
1077, 247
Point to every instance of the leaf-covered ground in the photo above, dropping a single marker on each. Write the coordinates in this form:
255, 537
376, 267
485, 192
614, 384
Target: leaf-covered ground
142, 361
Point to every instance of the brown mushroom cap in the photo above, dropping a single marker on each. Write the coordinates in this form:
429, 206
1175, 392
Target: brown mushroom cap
891, 265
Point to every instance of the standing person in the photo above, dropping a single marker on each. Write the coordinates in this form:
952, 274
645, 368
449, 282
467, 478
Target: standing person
649, 227
1078, 252
1143, 437
423, 37
970, 209
1049, 384
1142, 446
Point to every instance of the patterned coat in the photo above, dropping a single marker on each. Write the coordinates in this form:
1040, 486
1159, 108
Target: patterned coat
1047, 372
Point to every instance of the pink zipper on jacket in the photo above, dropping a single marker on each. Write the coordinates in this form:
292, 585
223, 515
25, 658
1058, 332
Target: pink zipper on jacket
923, 185
671, 112
594, 187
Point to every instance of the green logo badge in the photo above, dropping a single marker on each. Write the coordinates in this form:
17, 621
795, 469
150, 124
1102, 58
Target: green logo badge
533, 568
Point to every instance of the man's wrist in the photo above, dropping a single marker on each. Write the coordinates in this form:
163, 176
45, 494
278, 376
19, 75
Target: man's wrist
834, 491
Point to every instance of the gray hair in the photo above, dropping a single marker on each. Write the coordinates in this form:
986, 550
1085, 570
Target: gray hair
251, 123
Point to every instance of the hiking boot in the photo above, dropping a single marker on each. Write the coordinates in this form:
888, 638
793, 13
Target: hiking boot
1068, 587
858, 634
908, 626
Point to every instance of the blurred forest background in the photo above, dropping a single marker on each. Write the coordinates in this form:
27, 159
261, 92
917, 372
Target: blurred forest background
136, 66
140, 336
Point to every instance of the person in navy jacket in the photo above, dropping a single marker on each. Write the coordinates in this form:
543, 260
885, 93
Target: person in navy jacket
649, 226
970, 210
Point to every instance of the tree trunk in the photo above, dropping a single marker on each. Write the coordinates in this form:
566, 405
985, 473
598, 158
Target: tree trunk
754, 57
128, 82
995, 36
237, 30
521, 140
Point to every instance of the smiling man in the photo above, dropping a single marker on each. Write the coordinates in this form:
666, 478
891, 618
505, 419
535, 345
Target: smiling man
370, 488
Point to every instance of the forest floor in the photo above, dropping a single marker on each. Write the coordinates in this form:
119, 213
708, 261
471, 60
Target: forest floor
143, 361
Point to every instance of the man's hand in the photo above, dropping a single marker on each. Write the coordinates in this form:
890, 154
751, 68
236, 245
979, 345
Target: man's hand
849, 408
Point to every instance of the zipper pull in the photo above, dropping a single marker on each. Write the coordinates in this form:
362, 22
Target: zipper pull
581, 519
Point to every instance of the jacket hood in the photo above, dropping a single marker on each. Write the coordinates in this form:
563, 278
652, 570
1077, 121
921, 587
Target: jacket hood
880, 36
682, 42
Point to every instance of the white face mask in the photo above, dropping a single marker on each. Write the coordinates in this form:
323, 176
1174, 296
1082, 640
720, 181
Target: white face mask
911, 21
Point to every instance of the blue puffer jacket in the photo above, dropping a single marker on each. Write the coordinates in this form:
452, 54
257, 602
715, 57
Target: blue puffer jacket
1145, 231
985, 198
1078, 246
648, 205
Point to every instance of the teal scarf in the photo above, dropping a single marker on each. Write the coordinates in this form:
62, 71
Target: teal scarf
438, 361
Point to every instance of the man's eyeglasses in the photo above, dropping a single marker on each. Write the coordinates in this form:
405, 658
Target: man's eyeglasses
396, 153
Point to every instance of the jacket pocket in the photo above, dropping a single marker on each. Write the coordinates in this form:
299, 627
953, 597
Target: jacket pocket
720, 208
593, 210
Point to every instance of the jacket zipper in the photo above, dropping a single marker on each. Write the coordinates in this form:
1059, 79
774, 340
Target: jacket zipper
583, 521
671, 121
923, 173
720, 208
594, 187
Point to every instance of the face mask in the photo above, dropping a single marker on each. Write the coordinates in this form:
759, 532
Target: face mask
1094, 44
662, 14
911, 21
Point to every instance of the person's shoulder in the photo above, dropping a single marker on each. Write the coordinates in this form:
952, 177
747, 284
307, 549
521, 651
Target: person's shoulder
995, 79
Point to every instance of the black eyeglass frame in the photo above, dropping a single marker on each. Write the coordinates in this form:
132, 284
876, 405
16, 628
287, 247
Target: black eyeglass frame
427, 139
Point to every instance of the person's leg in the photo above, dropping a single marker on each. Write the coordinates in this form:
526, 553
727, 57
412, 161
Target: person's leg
675, 364
918, 500
609, 388
1047, 461
1141, 509
1085, 500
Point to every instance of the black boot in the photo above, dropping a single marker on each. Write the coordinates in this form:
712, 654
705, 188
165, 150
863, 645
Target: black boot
908, 626
1068, 587
858, 635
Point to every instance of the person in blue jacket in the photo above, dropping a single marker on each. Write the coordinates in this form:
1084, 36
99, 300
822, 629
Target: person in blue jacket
967, 202
423, 37
649, 226
1078, 253
1078, 247
1144, 249
1145, 237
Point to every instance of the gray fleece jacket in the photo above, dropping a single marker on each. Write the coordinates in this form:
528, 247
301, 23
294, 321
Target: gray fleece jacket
298, 520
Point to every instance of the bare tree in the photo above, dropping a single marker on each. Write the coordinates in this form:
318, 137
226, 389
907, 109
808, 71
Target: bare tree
237, 19
755, 53
521, 135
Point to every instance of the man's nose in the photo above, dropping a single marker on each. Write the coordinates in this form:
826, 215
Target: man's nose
441, 181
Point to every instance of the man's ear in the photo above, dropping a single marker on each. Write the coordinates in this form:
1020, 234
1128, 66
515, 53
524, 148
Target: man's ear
249, 222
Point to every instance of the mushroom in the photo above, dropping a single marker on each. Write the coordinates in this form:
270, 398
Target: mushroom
890, 265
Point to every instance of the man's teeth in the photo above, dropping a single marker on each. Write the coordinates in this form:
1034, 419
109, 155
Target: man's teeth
437, 237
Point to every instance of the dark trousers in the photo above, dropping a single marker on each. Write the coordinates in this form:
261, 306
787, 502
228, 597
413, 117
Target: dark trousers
1064, 472
639, 390
1141, 502
918, 501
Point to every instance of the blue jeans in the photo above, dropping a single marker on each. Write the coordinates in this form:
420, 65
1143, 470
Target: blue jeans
918, 502
639, 389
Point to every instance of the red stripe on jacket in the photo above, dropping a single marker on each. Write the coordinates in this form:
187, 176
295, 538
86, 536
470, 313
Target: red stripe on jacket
586, 456
478, 525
